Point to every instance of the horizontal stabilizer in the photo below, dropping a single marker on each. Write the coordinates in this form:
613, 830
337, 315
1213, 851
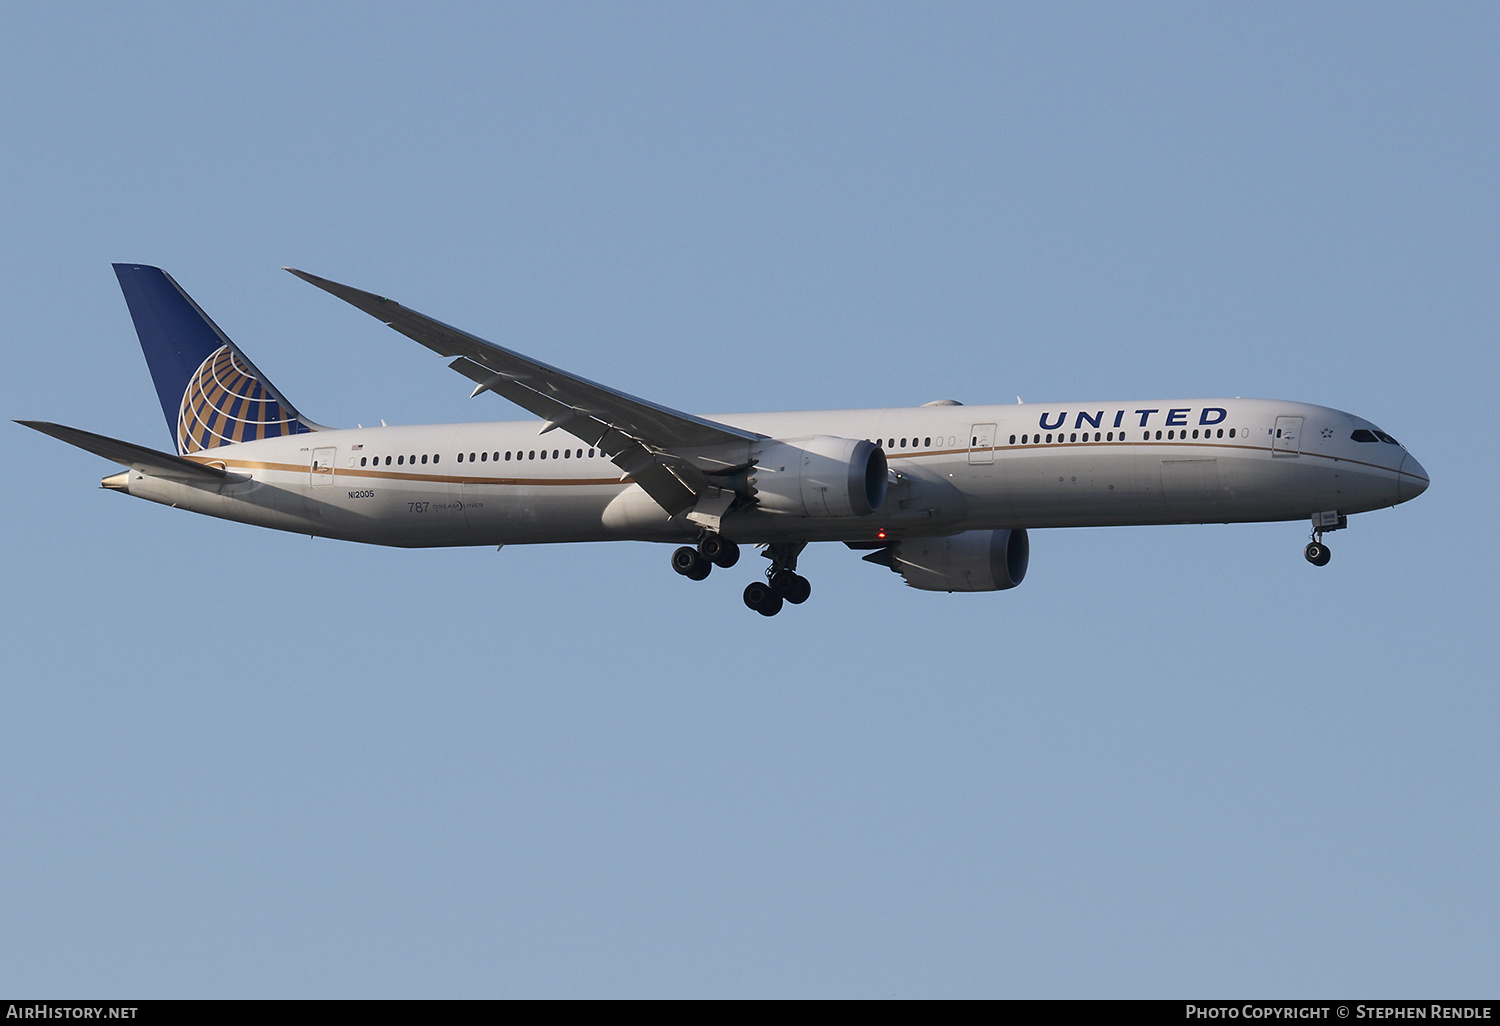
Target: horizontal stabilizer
137, 457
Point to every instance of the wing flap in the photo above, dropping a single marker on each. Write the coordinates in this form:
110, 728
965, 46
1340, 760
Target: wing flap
651, 470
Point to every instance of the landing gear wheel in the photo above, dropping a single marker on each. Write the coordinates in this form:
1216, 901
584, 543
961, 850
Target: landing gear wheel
783, 582
719, 551
689, 564
762, 599
1317, 553
801, 589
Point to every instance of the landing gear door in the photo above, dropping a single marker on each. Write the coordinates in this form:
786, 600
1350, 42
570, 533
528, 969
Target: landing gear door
322, 466
1288, 435
982, 443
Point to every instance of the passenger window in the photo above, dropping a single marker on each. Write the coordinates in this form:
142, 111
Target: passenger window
1158, 436
437, 457
1110, 437
531, 454
928, 442
400, 460
1012, 439
388, 461
890, 443
424, 457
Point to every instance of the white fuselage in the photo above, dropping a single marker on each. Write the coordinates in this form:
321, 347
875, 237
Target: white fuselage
952, 468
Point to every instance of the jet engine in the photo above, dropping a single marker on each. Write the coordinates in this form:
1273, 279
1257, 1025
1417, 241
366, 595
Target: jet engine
820, 476
971, 561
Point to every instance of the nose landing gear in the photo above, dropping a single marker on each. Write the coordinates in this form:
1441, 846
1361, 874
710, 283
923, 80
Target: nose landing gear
1316, 552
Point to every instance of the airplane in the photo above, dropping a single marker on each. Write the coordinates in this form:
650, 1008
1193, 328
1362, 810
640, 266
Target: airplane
943, 494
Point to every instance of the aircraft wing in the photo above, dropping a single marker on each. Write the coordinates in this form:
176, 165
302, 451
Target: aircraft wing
641, 437
137, 457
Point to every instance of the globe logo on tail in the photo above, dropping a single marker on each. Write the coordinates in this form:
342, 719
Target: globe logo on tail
225, 403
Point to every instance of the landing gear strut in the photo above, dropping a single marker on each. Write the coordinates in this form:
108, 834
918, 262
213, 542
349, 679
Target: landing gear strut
1316, 552
783, 584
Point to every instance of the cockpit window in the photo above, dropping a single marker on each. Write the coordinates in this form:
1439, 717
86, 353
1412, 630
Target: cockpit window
1363, 435
1386, 438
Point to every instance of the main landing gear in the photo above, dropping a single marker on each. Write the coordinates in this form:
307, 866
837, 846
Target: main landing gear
712, 551
782, 585
1316, 552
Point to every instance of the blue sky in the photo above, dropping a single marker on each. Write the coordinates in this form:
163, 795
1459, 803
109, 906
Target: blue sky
1176, 762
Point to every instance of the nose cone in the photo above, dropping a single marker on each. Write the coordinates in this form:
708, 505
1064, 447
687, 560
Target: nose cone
1412, 480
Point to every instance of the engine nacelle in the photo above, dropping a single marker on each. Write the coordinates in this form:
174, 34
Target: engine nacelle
820, 476
972, 561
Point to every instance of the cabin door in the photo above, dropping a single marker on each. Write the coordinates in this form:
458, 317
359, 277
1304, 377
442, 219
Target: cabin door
322, 466
1287, 441
982, 443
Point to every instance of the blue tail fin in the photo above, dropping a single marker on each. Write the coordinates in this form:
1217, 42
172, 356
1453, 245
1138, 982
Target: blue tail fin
210, 392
